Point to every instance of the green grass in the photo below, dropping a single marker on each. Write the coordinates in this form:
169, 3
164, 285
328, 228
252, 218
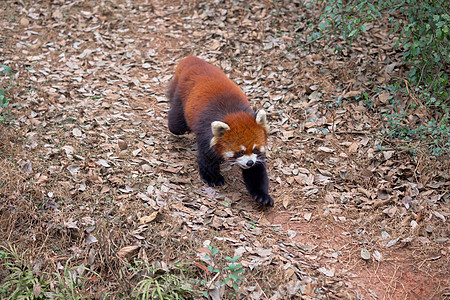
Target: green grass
156, 282
21, 281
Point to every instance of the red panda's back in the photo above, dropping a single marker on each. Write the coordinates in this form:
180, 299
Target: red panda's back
199, 83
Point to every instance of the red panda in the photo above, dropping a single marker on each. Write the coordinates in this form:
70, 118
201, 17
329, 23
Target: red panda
204, 100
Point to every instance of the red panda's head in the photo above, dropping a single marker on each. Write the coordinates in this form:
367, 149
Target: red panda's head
241, 138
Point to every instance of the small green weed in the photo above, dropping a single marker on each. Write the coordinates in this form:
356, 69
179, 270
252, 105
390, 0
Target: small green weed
4, 93
156, 282
232, 273
20, 281
71, 282
235, 272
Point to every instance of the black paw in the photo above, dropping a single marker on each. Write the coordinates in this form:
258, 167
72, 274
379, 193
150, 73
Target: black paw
264, 199
213, 181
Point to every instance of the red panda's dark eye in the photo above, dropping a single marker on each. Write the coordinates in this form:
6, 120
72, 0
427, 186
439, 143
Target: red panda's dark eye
239, 154
256, 151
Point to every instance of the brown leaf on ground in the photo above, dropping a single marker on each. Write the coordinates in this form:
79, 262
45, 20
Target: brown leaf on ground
128, 252
148, 219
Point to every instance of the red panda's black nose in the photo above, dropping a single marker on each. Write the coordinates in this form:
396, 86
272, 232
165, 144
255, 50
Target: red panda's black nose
250, 163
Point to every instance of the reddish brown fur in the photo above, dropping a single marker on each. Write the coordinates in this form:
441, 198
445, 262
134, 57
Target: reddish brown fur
190, 72
204, 100
244, 131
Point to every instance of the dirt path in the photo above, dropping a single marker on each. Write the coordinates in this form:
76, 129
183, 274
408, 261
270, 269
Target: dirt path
91, 150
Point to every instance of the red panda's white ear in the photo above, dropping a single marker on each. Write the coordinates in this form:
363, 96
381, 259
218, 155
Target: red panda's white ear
218, 128
262, 120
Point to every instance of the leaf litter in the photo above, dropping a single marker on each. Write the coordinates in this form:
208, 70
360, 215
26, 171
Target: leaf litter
91, 142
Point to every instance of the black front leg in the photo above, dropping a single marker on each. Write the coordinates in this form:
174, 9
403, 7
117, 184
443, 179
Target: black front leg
257, 183
209, 165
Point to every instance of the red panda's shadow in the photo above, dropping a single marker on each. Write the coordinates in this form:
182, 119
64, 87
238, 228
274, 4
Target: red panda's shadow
234, 189
184, 148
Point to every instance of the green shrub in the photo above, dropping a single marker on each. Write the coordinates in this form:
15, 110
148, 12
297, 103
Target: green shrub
345, 18
422, 28
4, 97
425, 37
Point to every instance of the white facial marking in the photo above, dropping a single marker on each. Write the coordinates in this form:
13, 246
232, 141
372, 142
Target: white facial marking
242, 161
254, 146
243, 148
228, 154
262, 149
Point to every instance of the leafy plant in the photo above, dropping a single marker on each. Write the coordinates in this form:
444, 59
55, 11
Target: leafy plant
71, 282
235, 270
156, 282
432, 131
214, 251
4, 98
423, 30
20, 281
425, 37
345, 17
231, 273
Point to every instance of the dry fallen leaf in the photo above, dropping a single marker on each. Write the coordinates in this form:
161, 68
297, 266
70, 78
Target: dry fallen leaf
288, 273
377, 256
93, 177
352, 94
71, 224
327, 272
353, 147
388, 154
105, 189
68, 149
389, 68
77, 132
204, 250
392, 242
24, 22
203, 267
439, 215
42, 180
365, 254
307, 216
286, 202
122, 144
148, 219
215, 289
136, 152
37, 289
325, 149
390, 211
384, 97
90, 239
128, 252
103, 163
